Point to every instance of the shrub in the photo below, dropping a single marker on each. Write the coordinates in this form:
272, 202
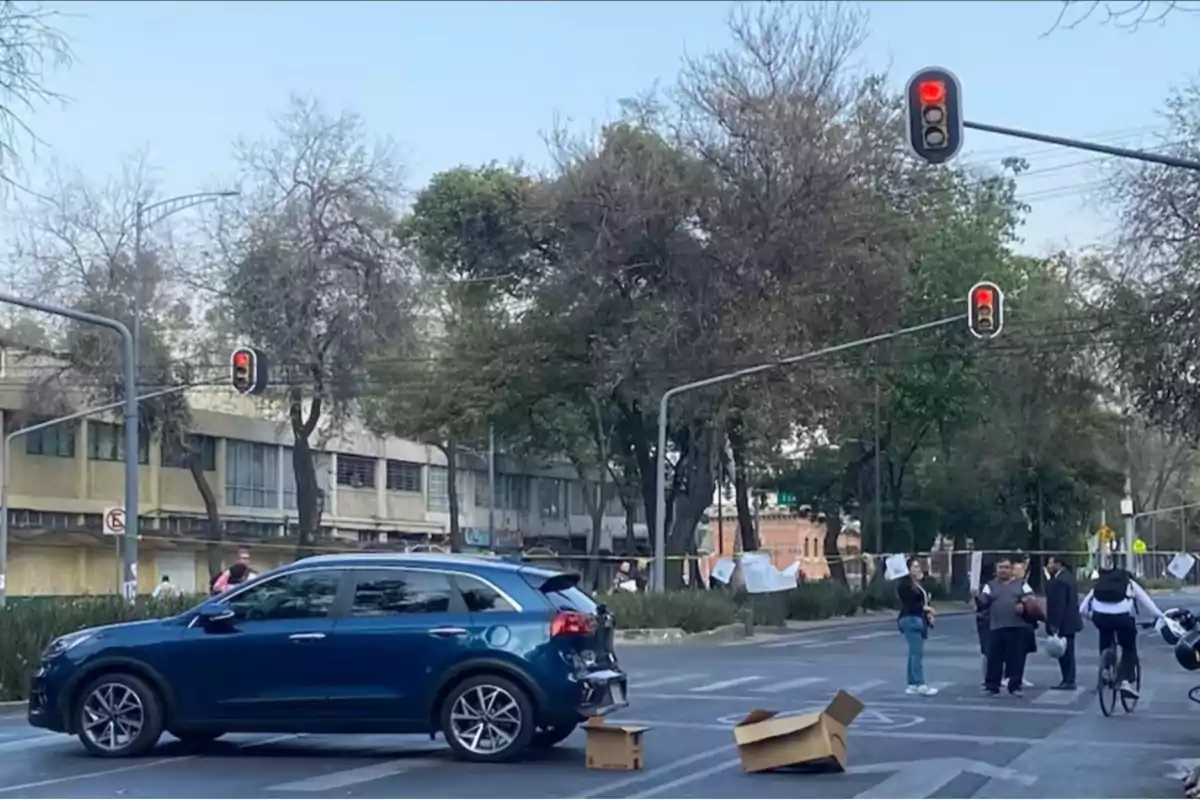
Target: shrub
28, 625
822, 599
691, 610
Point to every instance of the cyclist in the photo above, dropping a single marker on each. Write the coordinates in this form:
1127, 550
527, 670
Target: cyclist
1113, 605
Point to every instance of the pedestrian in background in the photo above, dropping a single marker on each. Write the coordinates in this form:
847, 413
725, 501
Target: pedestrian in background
1062, 615
1004, 598
916, 617
1030, 613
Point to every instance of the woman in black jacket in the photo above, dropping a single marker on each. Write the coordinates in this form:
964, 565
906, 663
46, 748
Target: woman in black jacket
916, 617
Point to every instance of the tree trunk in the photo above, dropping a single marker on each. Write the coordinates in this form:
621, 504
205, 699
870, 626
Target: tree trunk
833, 530
693, 495
630, 534
741, 485
308, 507
211, 509
595, 511
449, 450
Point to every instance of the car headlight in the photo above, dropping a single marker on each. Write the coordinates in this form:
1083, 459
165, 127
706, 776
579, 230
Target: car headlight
64, 643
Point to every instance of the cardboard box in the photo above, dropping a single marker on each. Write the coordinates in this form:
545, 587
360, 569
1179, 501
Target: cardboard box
614, 746
766, 741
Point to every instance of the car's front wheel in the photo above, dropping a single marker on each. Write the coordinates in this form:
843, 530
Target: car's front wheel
488, 718
118, 715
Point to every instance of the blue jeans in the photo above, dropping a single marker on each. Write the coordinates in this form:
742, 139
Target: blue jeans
913, 629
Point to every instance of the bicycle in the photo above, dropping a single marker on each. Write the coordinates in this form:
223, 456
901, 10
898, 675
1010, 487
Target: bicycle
1108, 685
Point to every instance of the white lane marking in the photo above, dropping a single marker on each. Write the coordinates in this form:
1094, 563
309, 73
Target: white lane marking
873, 635
941, 686
350, 777
1059, 698
818, 645
20, 787
32, 742
608, 788
712, 687
639, 685
788, 643
691, 778
865, 686
783, 686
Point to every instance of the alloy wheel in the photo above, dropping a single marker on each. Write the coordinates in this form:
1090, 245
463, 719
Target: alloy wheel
486, 719
113, 717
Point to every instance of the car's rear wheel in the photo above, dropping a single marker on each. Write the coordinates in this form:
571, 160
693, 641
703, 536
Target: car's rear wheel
552, 735
118, 715
488, 718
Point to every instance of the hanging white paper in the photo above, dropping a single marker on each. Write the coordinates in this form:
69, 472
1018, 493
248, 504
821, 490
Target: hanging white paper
1181, 565
976, 570
723, 570
896, 566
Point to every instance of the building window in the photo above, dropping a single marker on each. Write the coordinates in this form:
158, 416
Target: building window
439, 489
106, 442
251, 474
175, 452
57, 440
320, 467
369, 537
550, 498
482, 493
403, 476
514, 492
357, 472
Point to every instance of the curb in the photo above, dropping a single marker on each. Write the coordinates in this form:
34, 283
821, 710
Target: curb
737, 630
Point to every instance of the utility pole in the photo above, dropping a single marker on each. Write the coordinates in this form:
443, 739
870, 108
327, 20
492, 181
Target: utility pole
660, 501
491, 486
878, 474
1127, 509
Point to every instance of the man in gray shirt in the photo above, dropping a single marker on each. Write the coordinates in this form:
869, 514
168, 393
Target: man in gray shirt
1003, 597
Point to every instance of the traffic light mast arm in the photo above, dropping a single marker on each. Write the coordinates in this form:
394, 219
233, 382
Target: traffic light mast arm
1078, 144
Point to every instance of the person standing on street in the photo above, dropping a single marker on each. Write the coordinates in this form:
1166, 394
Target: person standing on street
1004, 598
916, 617
1062, 615
987, 571
1021, 572
165, 589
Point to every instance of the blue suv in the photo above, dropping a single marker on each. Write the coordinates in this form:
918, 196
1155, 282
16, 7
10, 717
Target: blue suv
498, 656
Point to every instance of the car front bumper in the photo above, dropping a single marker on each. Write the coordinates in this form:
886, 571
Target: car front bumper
42, 712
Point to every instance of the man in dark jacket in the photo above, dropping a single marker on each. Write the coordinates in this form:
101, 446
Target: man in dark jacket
1062, 615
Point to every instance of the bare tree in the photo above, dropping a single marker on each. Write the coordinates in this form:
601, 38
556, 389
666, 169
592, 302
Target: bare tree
30, 47
74, 246
313, 273
1127, 16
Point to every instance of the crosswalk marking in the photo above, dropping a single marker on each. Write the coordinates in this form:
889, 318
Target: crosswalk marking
712, 687
788, 643
783, 686
865, 686
1059, 698
815, 645
350, 777
872, 635
669, 679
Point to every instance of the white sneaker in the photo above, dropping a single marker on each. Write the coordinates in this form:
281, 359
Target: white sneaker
927, 691
1128, 690
1028, 684
913, 690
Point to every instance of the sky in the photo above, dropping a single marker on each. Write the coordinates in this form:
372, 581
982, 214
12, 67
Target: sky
467, 83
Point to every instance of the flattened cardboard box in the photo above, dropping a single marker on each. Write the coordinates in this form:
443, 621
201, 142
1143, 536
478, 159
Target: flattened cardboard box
616, 747
767, 741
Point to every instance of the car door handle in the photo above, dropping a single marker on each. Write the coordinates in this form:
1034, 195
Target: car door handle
306, 637
448, 632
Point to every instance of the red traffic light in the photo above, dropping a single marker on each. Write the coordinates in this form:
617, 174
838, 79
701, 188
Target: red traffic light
241, 359
931, 92
983, 296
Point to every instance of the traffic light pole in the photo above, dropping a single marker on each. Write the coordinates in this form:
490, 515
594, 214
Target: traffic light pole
131, 423
1078, 144
659, 572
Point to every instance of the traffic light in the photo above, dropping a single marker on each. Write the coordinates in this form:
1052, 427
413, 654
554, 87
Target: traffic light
248, 371
935, 122
985, 310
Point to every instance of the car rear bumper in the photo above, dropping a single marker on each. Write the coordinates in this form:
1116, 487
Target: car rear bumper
603, 692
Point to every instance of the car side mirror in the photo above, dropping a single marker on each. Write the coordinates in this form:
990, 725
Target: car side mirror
214, 613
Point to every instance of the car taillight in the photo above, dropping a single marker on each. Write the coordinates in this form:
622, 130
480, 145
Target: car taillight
572, 623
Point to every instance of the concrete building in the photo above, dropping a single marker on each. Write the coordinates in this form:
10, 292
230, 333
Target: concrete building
376, 493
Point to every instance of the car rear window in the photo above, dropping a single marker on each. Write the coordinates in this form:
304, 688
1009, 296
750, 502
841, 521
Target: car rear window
565, 595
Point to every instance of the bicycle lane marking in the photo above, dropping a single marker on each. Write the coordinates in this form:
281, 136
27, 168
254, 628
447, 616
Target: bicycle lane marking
869, 719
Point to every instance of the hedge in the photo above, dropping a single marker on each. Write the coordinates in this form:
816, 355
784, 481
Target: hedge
27, 625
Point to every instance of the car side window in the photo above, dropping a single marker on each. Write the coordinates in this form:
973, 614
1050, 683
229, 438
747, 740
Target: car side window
481, 596
398, 591
308, 594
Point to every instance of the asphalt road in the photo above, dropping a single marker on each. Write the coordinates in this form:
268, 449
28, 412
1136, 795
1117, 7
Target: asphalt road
957, 744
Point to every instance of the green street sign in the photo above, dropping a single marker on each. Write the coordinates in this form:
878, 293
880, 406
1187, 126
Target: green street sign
787, 499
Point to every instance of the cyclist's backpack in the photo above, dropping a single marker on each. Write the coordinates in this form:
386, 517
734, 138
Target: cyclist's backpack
1112, 586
